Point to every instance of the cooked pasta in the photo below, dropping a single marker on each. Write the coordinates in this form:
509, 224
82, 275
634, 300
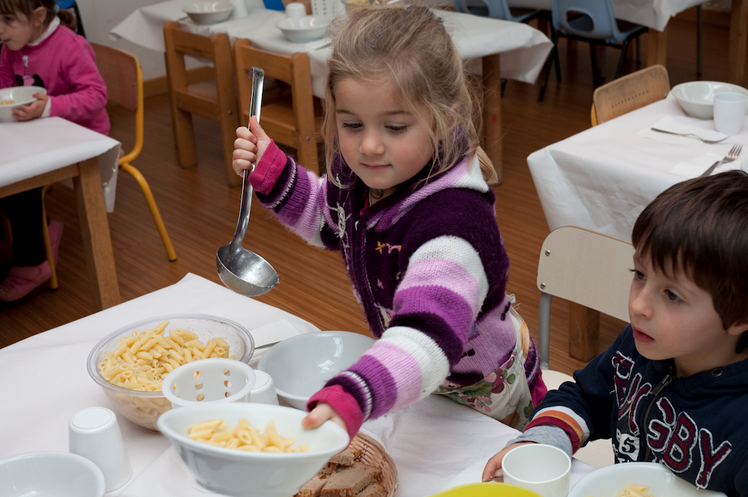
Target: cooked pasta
7, 102
243, 436
633, 490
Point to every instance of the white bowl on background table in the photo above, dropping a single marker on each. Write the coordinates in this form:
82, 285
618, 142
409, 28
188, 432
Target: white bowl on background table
303, 29
61, 474
209, 12
608, 481
697, 97
300, 366
16, 96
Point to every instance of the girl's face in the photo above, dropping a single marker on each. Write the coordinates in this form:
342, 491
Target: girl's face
383, 143
16, 31
673, 318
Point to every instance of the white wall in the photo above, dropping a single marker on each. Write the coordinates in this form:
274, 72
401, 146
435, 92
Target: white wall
100, 16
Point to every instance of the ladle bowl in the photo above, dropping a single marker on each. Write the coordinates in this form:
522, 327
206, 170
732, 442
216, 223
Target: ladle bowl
242, 270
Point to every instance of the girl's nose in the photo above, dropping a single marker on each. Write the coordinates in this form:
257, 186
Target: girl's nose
371, 143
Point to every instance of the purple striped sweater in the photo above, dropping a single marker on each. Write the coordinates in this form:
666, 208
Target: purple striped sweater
429, 268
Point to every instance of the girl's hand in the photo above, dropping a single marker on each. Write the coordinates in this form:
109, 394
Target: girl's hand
321, 413
249, 146
32, 110
493, 466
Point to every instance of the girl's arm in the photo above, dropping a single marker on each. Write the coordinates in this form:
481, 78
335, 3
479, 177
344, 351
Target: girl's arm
89, 95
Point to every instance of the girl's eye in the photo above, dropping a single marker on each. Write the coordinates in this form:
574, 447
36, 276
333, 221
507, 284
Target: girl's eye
352, 125
397, 128
638, 275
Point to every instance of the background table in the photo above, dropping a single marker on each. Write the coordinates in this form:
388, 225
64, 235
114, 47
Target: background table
43, 151
435, 443
601, 179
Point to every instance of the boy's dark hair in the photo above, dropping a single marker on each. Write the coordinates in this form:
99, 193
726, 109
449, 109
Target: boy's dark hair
700, 226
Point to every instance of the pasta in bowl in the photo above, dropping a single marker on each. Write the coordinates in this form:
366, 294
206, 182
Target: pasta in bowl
131, 363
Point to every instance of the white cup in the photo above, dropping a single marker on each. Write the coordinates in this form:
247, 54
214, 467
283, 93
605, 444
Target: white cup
94, 434
729, 112
263, 391
240, 9
295, 10
541, 468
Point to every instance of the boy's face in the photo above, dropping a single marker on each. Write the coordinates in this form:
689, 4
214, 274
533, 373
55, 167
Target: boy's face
673, 318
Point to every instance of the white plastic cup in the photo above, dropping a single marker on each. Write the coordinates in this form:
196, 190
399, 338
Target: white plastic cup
263, 391
729, 112
541, 468
295, 10
94, 434
240, 9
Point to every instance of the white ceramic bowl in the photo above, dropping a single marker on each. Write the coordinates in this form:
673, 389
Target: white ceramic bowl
608, 481
300, 366
303, 29
144, 408
209, 12
20, 95
61, 474
697, 97
258, 474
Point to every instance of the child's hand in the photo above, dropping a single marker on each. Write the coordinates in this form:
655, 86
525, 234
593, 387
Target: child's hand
493, 466
321, 413
33, 110
249, 146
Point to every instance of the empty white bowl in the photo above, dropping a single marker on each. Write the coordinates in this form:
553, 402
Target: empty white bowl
209, 12
50, 473
303, 29
258, 474
20, 95
697, 97
300, 366
608, 481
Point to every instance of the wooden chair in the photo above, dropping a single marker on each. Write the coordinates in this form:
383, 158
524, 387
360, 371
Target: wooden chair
586, 268
289, 121
124, 80
214, 99
629, 93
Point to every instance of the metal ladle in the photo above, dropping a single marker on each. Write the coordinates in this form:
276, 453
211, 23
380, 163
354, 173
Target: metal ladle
241, 270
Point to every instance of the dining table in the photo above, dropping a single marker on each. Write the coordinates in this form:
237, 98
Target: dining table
655, 15
40, 152
492, 48
435, 443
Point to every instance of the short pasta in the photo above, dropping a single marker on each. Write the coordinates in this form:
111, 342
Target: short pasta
142, 361
633, 490
243, 436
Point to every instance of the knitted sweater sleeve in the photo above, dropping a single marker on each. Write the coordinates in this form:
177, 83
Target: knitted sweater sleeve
435, 307
296, 196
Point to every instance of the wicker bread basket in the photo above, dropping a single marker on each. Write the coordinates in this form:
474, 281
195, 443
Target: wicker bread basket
373, 454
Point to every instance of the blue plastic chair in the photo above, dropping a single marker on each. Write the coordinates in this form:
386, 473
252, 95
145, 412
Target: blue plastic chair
594, 22
498, 9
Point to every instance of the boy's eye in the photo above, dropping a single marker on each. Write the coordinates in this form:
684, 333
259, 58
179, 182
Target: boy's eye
638, 274
672, 297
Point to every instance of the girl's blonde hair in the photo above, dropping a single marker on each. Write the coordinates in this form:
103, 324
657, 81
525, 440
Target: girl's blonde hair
411, 48
27, 8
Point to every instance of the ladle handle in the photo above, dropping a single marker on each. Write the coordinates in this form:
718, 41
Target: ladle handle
258, 79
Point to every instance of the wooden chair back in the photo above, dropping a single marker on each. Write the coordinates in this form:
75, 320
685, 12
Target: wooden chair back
584, 267
214, 98
629, 93
289, 121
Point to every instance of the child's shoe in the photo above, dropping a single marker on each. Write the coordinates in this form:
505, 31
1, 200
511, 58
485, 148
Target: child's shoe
22, 280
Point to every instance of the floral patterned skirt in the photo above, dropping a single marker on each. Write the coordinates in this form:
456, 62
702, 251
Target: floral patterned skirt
503, 394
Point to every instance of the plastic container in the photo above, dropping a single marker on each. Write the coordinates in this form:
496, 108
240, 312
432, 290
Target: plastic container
209, 380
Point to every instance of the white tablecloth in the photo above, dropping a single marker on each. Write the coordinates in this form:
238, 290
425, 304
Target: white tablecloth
435, 443
602, 178
523, 48
38, 146
654, 14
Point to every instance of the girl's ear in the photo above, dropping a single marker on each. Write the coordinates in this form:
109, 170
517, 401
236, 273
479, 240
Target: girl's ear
39, 16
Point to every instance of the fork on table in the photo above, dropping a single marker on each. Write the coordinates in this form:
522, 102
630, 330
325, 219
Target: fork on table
731, 156
689, 134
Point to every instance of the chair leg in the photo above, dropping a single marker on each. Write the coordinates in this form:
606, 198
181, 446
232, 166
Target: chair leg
184, 138
548, 66
170, 253
307, 152
624, 49
544, 329
555, 54
698, 40
48, 244
593, 58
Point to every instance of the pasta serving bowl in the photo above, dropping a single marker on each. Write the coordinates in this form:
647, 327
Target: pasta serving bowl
16, 96
134, 397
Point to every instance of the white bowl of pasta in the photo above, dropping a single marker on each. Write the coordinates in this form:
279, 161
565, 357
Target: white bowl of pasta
130, 364
212, 440
16, 96
627, 480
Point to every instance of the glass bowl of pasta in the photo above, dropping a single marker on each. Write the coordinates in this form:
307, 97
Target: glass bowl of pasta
246, 449
16, 96
131, 363
636, 479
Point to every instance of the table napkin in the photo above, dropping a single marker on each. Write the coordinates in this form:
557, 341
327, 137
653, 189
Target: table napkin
696, 166
679, 124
